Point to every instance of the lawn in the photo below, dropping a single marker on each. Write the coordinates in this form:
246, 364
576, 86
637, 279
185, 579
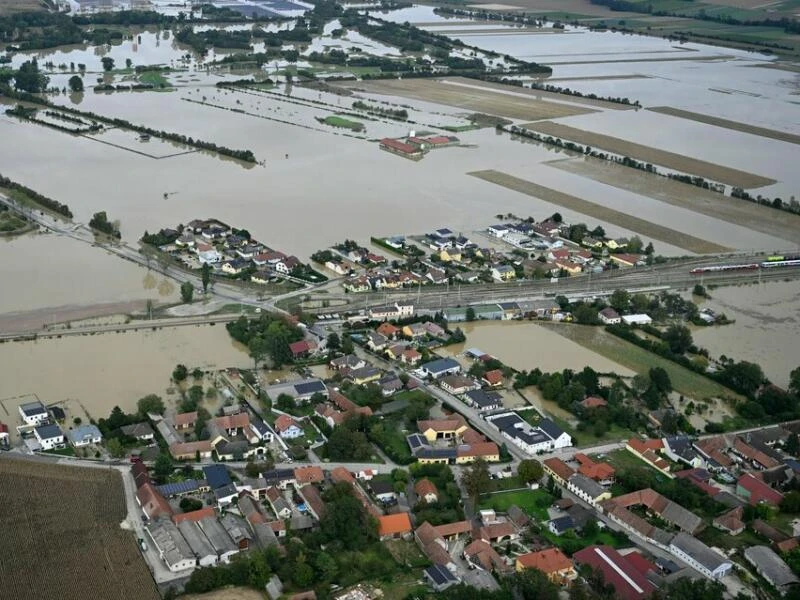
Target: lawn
401, 586
623, 459
533, 502
714, 537
572, 544
684, 381
588, 438
337, 121
155, 78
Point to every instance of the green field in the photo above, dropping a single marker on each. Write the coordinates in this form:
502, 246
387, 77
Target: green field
337, 121
533, 502
10, 222
154, 78
684, 381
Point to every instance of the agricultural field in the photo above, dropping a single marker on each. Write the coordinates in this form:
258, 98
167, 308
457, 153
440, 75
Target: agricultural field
777, 223
62, 536
648, 154
598, 211
783, 136
473, 98
8, 7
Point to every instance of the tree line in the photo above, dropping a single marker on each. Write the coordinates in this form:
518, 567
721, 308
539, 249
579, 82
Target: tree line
48, 203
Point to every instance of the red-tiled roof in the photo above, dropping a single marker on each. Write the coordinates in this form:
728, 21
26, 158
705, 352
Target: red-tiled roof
310, 474
593, 402
424, 487
185, 419
237, 421
340, 474
494, 377
628, 583
284, 422
195, 515
548, 561
395, 524
759, 491
451, 529
479, 449
399, 146
559, 467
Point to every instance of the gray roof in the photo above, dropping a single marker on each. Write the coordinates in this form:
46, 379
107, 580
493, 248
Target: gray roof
770, 566
232, 448
168, 432
196, 539
441, 365
181, 487
551, 429
588, 486
698, 551
47, 432
137, 430
563, 523
225, 491
440, 575
84, 432
682, 518
265, 536
483, 398
170, 542
301, 522
381, 487
33, 408
307, 388
236, 527
217, 535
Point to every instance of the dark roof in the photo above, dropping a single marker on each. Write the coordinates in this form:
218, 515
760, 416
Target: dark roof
49, 431
310, 387
416, 441
381, 487
437, 453
217, 476
483, 398
225, 491
441, 365
550, 428
181, 487
440, 575
278, 475
58, 413
33, 408
259, 426
563, 523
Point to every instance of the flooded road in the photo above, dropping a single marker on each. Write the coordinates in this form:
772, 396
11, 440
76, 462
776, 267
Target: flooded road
525, 345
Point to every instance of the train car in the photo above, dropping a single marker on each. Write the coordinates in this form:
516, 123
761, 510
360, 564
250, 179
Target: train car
782, 263
724, 268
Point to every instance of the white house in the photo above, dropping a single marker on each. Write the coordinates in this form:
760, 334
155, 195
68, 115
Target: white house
171, 545
287, 428
608, 316
699, 556
33, 413
49, 437
637, 319
441, 367
545, 437
85, 435
498, 230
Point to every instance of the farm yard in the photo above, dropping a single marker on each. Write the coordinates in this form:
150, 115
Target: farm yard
598, 211
61, 530
670, 160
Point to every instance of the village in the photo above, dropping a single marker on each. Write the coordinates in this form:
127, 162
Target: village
444, 463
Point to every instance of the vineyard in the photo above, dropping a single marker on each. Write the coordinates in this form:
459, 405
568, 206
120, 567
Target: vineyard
62, 536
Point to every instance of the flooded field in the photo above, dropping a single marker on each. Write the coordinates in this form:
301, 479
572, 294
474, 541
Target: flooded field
91, 374
767, 324
526, 346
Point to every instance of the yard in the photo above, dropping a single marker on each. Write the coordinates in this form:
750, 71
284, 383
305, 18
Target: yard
614, 433
533, 502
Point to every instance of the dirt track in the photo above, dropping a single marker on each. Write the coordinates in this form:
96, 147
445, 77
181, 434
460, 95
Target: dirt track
783, 136
598, 211
476, 100
732, 210
648, 154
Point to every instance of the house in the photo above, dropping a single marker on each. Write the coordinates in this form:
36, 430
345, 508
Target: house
220, 540
442, 429
198, 542
771, 567
458, 384
302, 348
571, 267
278, 503
587, 489
618, 571
699, 556
546, 436
410, 357
281, 478
383, 491
415, 331
348, 361
426, 491
217, 476
376, 341
603, 473
439, 577
469, 453
641, 319
152, 503
313, 501
260, 430
561, 525
480, 555
493, 378
626, 260
365, 375
388, 330
171, 546
306, 475
757, 458
287, 265
207, 254
648, 450
483, 400
731, 522
33, 413
392, 526
287, 427
50, 437
591, 402
713, 450
139, 431
179, 489
503, 273
496, 532
664, 508
756, 491
398, 310
608, 316
185, 421
85, 435
191, 450
552, 562
679, 448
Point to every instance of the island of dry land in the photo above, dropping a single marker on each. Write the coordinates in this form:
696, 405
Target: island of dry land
475, 99
604, 213
61, 530
780, 224
783, 136
648, 154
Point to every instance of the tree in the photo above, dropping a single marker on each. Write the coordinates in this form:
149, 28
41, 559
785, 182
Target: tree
345, 522
620, 301
128, 63
180, 373
28, 78
792, 445
556, 218
196, 394
334, 343
115, 448
476, 479
791, 502
743, 376
679, 338
190, 504
470, 314
76, 84
150, 404
163, 466
794, 381
108, 63
205, 275
187, 292
649, 249
635, 245
660, 379
529, 470
347, 344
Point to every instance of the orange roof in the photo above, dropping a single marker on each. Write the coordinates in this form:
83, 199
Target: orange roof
283, 422
387, 329
470, 436
440, 425
494, 377
456, 528
594, 470
394, 524
424, 487
185, 419
548, 561
182, 449
340, 474
195, 515
237, 421
479, 449
309, 474
594, 402
641, 446
559, 467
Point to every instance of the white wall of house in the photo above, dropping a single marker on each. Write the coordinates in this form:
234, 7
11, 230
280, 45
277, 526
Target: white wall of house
50, 443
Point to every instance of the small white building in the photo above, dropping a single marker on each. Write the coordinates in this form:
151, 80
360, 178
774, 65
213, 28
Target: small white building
50, 437
608, 316
637, 319
699, 556
85, 435
33, 413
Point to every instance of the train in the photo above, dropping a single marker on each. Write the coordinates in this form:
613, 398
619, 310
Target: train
771, 263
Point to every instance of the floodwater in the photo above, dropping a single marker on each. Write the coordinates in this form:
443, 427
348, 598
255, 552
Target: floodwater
525, 345
94, 373
767, 324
